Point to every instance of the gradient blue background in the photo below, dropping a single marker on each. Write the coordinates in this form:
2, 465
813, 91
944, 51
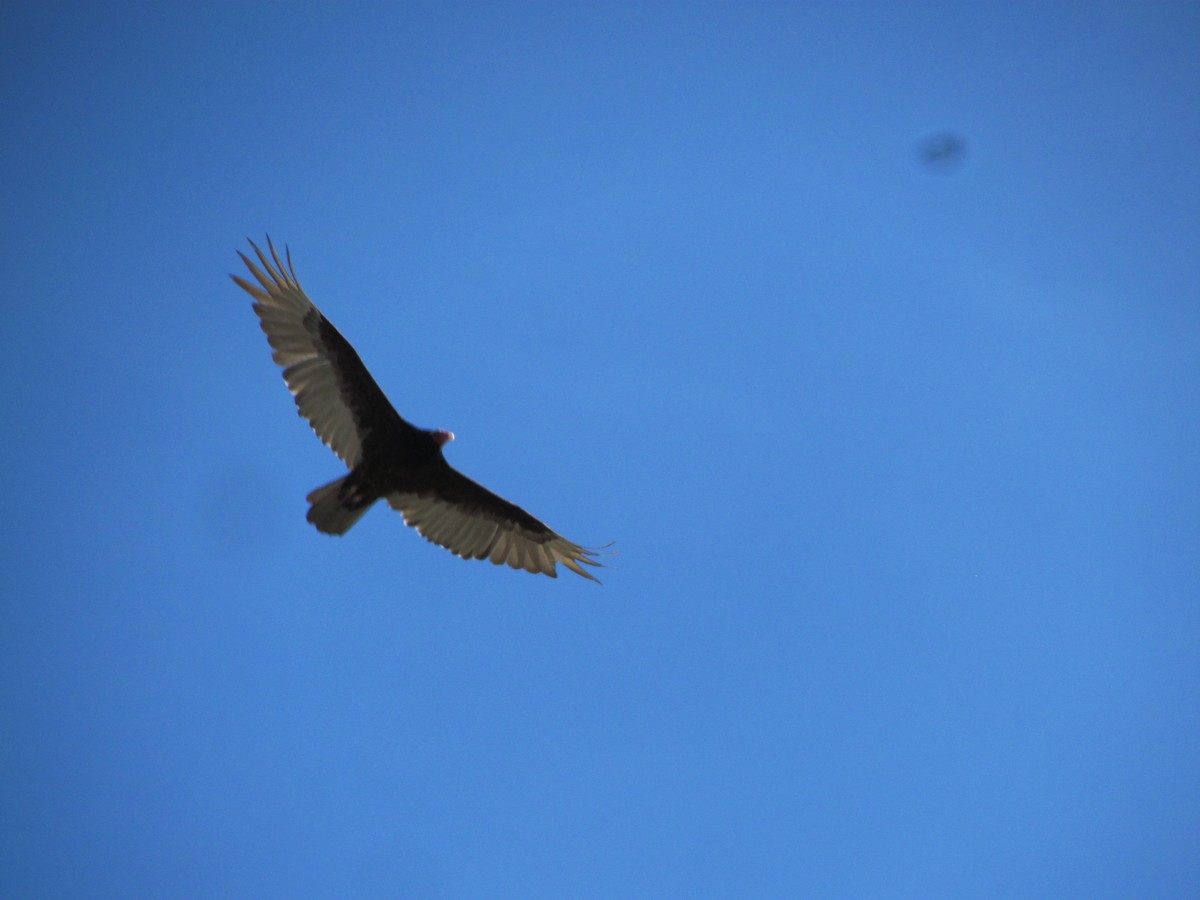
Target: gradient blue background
902, 463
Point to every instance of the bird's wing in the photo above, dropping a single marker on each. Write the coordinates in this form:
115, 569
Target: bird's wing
331, 386
470, 521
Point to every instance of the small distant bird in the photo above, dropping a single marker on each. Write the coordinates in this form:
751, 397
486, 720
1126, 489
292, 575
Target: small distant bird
943, 152
387, 456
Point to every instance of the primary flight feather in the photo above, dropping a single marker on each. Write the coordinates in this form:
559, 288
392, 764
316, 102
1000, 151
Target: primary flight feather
388, 457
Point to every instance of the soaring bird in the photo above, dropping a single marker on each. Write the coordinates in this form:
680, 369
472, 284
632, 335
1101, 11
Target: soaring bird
387, 456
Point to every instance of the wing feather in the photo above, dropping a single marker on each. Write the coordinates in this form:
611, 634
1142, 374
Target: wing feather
472, 522
500, 549
331, 386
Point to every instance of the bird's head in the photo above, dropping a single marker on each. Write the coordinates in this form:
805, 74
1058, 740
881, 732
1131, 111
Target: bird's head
441, 437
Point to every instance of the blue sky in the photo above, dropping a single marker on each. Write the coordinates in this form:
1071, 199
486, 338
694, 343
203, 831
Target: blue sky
901, 463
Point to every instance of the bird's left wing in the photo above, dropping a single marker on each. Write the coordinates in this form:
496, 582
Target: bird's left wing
472, 522
331, 386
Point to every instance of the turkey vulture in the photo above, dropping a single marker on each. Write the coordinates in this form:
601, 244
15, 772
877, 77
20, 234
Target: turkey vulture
387, 456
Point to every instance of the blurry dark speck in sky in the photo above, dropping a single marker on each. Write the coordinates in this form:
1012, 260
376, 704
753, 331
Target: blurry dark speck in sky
943, 152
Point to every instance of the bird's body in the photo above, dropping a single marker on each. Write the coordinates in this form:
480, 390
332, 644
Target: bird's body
388, 457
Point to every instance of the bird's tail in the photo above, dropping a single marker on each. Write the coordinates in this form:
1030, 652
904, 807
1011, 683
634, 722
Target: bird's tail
338, 505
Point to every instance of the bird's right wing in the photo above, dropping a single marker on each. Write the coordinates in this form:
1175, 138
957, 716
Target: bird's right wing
331, 386
470, 521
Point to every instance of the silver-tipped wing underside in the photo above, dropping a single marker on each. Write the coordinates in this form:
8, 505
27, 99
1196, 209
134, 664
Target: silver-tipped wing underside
314, 366
474, 534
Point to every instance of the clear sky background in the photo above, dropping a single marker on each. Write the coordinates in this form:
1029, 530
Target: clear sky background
902, 461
